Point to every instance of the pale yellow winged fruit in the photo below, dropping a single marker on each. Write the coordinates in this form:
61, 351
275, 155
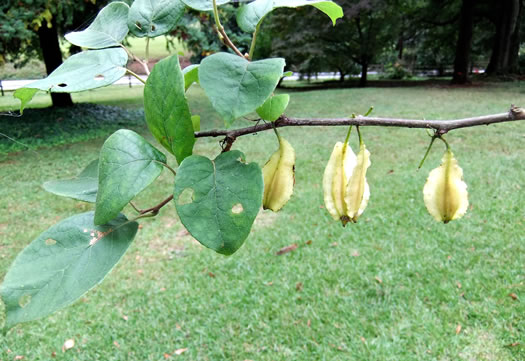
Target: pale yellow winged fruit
346, 191
445, 192
357, 190
279, 177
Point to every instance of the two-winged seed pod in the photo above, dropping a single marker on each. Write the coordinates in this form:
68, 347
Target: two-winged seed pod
279, 176
346, 190
445, 192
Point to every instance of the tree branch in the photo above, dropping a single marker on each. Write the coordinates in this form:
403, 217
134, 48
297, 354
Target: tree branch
154, 210
440, 126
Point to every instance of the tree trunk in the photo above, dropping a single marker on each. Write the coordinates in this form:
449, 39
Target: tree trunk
363, 81
341, 74
400, 46
53, 58
462, 60
506, 44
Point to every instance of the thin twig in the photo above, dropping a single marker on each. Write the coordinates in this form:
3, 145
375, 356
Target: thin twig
135, 58
155, 209
222, 34
136, 76
227, 143
226, 40
440, 126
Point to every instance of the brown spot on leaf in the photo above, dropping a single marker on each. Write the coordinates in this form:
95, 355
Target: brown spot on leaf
97, 236
24, 300
237, 208
50, 242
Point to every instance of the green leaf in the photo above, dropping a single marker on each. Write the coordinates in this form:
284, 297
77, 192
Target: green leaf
25, 95
250, 16
330, 8
273, 107
83, 187
153, 18
108, 29
236, 86
288, 73
62, 264
191, 75
87, 70
127, 165
196, 120
203, 5
166, 108
217, 201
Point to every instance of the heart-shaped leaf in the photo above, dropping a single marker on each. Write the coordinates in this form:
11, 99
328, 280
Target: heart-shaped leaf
217, 201
83, 71
273, 107
83, 187
166, 108
62, 264
236, 86
127, 165
108, 29
204, 5
249, 16
153, 18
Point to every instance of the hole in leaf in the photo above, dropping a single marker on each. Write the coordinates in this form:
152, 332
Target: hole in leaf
237, 208
241, 159
153, 27
99, 77
138, 25
186, 197
50, 242
62, 85
24, 300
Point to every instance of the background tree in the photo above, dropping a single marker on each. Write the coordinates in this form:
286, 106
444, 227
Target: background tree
367, 28
506, 15
31, 28
197, 31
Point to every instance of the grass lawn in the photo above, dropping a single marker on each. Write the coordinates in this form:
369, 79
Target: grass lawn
395, 286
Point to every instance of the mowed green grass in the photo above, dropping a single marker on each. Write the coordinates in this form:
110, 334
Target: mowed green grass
395, 286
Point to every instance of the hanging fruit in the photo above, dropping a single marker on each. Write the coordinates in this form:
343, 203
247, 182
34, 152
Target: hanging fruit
279, 176
445, 192
346, 190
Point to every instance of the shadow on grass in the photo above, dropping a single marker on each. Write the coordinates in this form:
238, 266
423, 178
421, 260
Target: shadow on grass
49, 127
373, 83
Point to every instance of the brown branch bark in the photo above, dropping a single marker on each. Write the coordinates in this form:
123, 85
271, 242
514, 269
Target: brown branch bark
226, 40
440, 126
155, 209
